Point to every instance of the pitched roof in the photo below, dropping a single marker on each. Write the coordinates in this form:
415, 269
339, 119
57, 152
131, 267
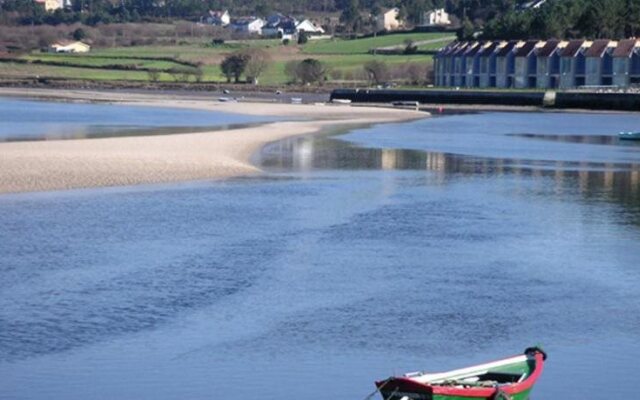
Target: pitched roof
572, 48
597, 48
487, 51
506, 49
451, 48
527, 48
460, 50
549, 47
472, 52
625, 48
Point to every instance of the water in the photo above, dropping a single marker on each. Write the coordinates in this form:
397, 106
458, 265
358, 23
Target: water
428, 245
30, 120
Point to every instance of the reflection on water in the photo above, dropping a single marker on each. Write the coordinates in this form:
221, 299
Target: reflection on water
62, 132
40, 120
585, 139
303, 154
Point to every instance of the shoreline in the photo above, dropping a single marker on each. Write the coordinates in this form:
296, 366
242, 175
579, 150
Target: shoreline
33, 166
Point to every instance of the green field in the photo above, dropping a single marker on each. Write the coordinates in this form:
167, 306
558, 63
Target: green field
344, 57
362, 46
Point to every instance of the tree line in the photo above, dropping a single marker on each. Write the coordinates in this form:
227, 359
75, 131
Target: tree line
566, 19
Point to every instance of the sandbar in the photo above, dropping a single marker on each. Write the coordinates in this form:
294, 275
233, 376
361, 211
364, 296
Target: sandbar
32, 166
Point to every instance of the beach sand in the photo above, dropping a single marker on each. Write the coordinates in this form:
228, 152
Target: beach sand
117, 161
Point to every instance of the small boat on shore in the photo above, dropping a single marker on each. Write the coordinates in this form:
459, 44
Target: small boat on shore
508, 379
629, 135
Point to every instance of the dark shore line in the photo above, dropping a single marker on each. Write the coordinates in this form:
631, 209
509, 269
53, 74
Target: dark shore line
550, 99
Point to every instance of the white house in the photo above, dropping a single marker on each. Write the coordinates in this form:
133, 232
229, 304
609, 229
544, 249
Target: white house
388, 20
65, 46
437, 17
50, 5
309, 27
218, 18
248, 25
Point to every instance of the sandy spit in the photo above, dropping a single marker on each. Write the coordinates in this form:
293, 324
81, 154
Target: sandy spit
83, 163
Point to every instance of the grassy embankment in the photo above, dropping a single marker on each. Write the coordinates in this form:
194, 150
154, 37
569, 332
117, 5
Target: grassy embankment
344, 57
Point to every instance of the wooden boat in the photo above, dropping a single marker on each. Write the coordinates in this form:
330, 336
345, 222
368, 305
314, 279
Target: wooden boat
629, 135
508, 379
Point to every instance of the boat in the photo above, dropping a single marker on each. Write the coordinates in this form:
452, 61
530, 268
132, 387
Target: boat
507, 379
629, 135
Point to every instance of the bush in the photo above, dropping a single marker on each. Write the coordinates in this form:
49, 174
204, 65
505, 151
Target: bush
79, 34
302, 37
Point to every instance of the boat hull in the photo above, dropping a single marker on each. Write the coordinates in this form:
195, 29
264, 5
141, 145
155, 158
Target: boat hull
495, 384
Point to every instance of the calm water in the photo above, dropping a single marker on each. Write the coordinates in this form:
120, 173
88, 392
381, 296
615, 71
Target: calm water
29, 119
427, 245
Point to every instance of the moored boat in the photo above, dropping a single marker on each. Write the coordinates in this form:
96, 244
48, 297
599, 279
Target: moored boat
507, 379
629, 135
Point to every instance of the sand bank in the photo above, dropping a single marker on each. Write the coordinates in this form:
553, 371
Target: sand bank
83, 163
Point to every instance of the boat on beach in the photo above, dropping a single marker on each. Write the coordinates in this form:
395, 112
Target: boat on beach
507, 379
629, 135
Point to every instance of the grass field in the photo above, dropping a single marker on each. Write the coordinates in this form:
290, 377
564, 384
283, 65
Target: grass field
346, 57
362, 46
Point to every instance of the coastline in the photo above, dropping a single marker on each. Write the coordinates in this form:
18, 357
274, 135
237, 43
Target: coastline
121, 161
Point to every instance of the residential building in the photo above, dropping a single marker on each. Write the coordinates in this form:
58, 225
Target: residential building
548, 66
309, 27
66, 46
505, 64
572, 64
249, 25
438, 17
599, 63
526, 65
626, 63
218, 18
50, 5
388, 20
487, 61
284, 27
539, 64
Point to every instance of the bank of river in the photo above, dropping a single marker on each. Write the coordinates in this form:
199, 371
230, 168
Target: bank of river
429, 244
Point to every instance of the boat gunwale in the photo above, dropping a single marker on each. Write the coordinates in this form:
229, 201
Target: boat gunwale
477, 392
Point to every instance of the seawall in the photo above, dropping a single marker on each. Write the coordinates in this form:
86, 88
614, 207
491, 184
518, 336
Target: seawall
561, 100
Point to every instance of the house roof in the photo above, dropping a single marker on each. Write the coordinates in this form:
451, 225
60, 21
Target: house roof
527, 48
572, 48
597, 48
625, 48
549, 47
64, 43
244, 20
475, 50
488, 50
506, 49
451, 48
460, 50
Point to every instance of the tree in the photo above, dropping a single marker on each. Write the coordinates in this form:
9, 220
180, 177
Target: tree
311, 70
258, 62
233, 65
377, 71
350, 15
466, 30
